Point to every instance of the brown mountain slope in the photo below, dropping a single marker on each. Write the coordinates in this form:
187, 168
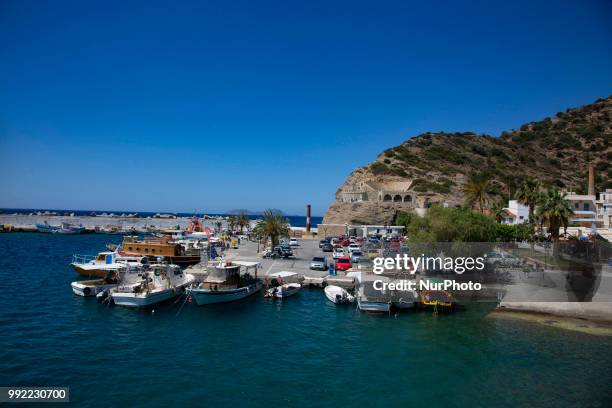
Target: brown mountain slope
432, 167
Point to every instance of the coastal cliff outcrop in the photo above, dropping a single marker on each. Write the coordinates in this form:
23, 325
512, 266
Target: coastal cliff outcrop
432, 168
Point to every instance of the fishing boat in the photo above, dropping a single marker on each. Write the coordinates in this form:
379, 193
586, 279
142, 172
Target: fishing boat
125, 275
284, 290
438, 300
46, 228
373, 301
284, 284
152, 248
100, 265
338, 295
95, 286
160, 283
404, 299
225, 283
70, 229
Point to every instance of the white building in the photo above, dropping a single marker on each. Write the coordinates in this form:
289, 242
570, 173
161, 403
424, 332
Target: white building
515, 213
585, 209
604, 208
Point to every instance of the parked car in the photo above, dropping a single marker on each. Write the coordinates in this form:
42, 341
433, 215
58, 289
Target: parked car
323, 242
354, 247
294, 242
345, 242
338, 253
356, 256
502, 259
282, 252
343, 264
318, 263
327, 248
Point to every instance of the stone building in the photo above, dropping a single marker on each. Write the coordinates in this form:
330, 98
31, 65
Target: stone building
396, 192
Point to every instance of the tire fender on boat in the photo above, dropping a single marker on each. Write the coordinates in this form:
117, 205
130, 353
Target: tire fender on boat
87, 291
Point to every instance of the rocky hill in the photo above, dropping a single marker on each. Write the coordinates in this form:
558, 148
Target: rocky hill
433, 167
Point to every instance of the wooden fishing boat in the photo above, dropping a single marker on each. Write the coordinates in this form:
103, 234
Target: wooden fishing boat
153, 248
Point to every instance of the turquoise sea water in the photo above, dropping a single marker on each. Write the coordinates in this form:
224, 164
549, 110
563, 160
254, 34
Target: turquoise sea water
302, 351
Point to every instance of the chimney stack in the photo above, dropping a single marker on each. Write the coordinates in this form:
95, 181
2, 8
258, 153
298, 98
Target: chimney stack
591, 180
308, 218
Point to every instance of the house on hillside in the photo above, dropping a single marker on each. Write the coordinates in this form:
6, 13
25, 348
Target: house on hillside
515, 213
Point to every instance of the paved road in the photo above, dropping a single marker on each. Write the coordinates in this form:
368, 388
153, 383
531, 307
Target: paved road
300, 264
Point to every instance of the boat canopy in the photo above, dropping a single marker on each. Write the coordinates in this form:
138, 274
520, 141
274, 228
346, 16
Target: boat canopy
246, 264
219, 274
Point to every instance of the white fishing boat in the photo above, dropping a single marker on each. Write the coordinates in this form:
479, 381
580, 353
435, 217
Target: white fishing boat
279, 278
225, 283
70, 229
284, 284
370, 300
405, 299
338, 295
95, 286
283, 291
369, 306
161, 282
100, 265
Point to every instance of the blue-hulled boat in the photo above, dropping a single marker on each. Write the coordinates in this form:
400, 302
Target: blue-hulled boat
46, 228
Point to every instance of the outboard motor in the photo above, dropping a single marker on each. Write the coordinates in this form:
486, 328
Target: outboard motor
102, 296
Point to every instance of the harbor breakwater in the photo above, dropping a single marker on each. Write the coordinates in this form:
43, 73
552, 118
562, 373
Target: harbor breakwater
27, 222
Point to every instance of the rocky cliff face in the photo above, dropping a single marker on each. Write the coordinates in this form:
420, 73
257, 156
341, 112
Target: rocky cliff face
433, 167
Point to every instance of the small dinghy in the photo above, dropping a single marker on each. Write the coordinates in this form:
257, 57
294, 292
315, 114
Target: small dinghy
338, 295
283, 291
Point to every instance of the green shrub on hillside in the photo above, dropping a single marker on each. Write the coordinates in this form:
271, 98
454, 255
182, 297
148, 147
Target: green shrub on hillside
379, 168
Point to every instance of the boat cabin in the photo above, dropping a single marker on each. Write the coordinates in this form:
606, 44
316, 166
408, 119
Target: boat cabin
222, 276
105, 258
159, 247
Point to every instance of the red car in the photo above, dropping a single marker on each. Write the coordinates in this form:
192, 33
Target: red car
345, 242
343, 264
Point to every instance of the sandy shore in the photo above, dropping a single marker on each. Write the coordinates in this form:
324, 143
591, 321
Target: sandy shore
588, 326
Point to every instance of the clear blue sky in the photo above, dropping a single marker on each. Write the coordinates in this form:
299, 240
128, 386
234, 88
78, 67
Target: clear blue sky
212, 106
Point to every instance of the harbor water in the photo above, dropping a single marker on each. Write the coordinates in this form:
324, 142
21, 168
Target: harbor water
302, 351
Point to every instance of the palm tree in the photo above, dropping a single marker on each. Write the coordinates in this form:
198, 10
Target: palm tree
231, 223
273, 226
498, 210
219, 225
528, 194
555, 212
476, 190
242, 220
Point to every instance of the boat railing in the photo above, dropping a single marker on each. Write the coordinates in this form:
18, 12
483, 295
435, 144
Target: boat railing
82, 259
